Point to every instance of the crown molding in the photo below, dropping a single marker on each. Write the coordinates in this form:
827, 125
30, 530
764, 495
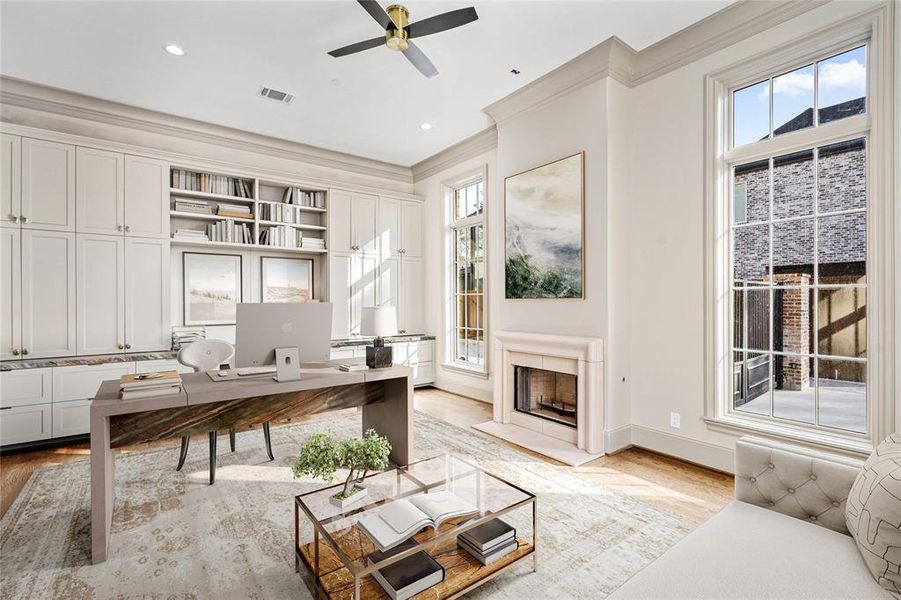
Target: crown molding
28, 95
471, 147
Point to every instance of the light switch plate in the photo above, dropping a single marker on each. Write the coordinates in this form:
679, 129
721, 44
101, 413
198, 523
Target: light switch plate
675, 420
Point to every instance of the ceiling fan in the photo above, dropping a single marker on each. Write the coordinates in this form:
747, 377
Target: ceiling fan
399, 32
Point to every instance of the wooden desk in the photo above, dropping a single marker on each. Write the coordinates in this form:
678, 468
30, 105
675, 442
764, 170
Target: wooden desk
203, 405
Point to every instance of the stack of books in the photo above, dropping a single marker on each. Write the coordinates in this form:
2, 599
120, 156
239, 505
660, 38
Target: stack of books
183, 336
408, 577
148, 385
300, 197
193, 206
212, 184
190, 235
313, 243
489, 541
239, 211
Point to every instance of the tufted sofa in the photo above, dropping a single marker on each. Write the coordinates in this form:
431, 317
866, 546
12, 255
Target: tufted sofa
783, 537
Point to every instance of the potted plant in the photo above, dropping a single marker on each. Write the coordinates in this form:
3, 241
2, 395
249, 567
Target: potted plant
322, 455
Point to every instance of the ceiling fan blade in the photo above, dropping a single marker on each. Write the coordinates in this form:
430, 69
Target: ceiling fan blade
442, 22
359, 47
420, 60
378, 13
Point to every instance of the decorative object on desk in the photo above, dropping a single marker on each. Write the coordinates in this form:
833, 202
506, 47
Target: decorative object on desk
287, 364
322, 455
286, 279
379, 322
212, 288
409, 576
544, 231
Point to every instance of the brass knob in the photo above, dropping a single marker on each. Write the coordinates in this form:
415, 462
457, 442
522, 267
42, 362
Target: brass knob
15, 352
120, 228
127, 228
24, 351
24, 219
121, 347
128, 346
14, 218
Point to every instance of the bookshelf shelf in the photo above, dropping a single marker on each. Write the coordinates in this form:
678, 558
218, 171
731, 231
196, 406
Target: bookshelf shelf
295, 225
203, 244
209, 196
203, 217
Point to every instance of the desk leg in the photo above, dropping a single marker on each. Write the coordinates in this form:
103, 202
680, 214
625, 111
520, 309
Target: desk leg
103, 499
393, 418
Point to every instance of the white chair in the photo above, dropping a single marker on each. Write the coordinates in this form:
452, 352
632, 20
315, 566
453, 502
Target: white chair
209, 355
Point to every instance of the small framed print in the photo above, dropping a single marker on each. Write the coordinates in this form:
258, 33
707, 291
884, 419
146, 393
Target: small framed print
286, 279
212, 288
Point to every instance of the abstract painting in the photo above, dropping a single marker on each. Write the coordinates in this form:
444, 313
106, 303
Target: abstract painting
543, 224
212, 288
287, 279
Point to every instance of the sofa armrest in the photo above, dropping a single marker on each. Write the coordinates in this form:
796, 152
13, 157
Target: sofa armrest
797, 481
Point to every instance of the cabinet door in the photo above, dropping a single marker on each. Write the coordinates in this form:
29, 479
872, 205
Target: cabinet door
339, 224
48, 293
411, 219
363, 217
147, 301
99, 191
10, 179
363, 274
411, 315
389, 283
146, 197
24, 424
101, 294
48, 185
389, 231
339, 293
10, 293
71, 418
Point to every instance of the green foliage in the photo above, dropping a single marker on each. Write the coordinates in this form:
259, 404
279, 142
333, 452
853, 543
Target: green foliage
322, 455
524, 280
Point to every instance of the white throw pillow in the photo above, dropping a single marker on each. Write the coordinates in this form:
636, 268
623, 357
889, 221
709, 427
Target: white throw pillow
873, 513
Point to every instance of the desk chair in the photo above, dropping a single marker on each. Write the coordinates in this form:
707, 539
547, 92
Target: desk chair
208, 355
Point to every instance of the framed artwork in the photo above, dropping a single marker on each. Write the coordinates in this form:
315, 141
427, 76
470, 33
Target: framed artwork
212, 288
286, 279
544, 229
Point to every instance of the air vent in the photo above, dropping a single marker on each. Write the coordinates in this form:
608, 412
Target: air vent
267, 92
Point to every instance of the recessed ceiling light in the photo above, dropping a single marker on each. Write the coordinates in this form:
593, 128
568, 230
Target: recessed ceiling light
174, 49
426, 126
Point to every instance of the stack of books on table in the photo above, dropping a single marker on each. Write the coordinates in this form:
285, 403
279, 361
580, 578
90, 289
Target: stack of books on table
409, 576
489, 541
148, 385
193, 206
239, 211
190, 235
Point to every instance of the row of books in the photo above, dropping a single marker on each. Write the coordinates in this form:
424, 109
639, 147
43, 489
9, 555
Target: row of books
229, 231
213, 184
300, 197
288, 237
284, 213
184, 336
148, 385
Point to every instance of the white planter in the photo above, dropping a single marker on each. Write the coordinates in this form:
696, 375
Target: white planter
361, 492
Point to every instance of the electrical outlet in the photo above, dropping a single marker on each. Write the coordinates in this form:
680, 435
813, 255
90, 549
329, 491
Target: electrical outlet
675, 420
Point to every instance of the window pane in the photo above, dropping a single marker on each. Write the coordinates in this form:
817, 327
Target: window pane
793, 252
842, 394
842, 321
794, 397
752, 319
751, 114
751, 374
842, 249
793, 320
842, 172
842, 82
793, 185
793, 100
740, 202
755, 177
751, 254
460, 203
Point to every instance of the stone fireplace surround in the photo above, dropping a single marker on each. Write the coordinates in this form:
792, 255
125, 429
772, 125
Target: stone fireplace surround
579, 356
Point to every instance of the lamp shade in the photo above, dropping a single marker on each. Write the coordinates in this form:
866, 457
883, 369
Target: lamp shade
379, 321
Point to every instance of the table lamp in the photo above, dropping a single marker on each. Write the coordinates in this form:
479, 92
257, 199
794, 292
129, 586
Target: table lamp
379, 322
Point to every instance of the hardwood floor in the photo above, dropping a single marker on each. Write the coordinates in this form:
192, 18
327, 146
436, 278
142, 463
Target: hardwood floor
671, 484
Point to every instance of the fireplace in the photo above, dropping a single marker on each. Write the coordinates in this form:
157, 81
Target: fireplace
546, 394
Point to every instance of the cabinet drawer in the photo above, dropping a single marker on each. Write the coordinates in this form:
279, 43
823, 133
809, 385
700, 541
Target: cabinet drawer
423, 373
25, 387
71, 418
153, 366
81, 382
419, 352
24, 424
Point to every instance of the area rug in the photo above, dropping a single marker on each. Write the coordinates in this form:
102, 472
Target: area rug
174, 536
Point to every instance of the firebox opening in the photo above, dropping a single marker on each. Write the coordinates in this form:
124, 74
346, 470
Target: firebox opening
546, 394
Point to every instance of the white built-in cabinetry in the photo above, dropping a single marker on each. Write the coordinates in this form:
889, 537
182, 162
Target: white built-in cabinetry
48, 185
10, 179
352, 222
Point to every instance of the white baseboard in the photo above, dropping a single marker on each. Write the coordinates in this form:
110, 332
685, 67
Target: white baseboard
455, 387
617, 439
702, 453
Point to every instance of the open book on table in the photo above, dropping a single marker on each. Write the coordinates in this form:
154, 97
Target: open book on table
400, 519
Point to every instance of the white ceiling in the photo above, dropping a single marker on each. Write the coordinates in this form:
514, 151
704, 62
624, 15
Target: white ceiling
370, 104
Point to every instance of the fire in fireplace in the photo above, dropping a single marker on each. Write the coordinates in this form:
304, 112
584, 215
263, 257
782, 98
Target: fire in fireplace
546, 394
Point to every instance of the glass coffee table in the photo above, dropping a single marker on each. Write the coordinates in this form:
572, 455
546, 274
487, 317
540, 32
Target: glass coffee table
334, 549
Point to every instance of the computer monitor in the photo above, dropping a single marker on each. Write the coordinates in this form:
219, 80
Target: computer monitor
263, 327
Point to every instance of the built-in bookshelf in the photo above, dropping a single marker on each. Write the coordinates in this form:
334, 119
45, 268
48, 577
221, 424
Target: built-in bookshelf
222, 210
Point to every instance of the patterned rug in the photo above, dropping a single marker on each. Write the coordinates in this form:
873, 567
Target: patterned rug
174, 536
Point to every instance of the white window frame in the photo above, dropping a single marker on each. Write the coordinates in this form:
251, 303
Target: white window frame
450, 309
872, 28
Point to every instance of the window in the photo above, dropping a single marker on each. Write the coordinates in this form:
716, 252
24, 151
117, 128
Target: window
466, 317
798, 158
